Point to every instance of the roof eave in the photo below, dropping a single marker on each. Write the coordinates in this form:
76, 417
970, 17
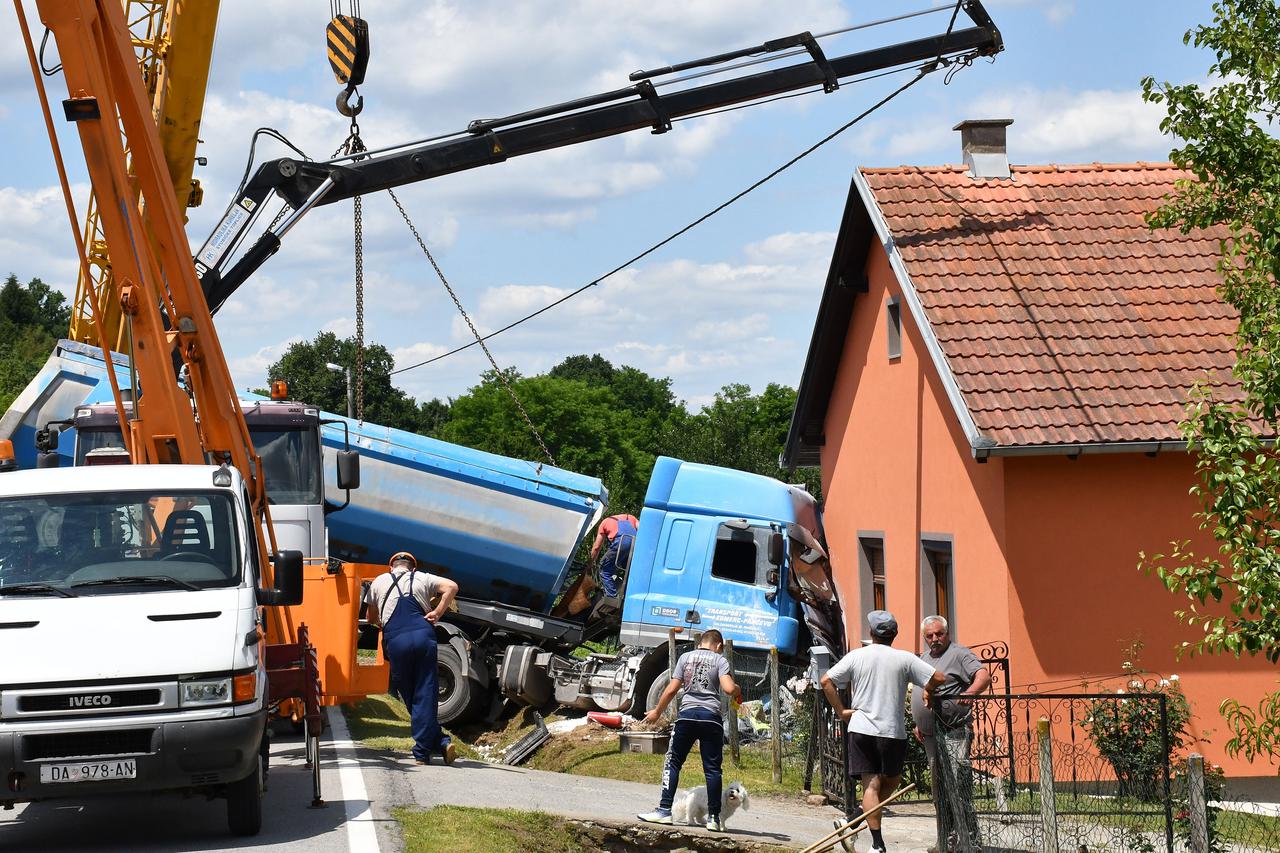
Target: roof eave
978, 442
846, 278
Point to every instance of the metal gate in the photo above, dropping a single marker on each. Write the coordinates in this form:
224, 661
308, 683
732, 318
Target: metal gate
994, 747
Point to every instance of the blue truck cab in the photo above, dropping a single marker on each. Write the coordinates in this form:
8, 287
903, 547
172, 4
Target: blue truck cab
715, 549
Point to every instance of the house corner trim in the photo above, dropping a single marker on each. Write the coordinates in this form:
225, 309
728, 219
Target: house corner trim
980, 444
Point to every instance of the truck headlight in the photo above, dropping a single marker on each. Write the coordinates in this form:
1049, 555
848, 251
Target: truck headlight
214, 691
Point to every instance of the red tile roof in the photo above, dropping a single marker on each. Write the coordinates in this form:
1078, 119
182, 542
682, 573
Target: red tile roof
1062, 316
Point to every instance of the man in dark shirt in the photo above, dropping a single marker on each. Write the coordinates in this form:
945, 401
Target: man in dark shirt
947, 731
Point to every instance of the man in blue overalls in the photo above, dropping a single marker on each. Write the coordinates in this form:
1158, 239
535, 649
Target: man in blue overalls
403, 597
620, 532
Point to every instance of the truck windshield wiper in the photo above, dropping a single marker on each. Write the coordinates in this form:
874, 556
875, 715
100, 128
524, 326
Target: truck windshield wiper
36, 589
137, 580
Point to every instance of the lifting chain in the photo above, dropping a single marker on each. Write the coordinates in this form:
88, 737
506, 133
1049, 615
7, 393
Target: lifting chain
502, 376
354, 145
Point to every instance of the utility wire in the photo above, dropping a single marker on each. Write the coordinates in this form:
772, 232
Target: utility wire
923, 72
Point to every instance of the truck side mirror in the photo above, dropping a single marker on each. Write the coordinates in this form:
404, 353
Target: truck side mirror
47, 439
287, 568
777, 548
348, 469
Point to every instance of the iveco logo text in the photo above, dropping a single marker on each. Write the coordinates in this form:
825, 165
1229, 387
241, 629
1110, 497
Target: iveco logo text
88, 701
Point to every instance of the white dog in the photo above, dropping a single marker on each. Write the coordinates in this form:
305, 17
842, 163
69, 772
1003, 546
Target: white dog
690, 806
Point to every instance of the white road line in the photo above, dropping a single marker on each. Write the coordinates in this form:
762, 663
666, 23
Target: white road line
362, 833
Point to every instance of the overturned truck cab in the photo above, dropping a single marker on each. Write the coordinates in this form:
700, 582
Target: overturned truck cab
716, 548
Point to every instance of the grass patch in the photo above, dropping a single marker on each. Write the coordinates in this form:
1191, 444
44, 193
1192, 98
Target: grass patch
464, 830
601, 758
1254, 830
382, 722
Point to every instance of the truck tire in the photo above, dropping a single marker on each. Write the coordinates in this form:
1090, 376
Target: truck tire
459, 697
659, 684
244, 802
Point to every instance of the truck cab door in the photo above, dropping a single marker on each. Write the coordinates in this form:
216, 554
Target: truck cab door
665, 578
743, 592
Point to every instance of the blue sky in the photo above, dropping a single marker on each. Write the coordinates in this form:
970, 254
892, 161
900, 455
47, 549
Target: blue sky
733, 301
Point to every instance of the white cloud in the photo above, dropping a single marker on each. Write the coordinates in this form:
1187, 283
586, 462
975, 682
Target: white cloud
35, 235
1049, 125
416, 353
737, 329
1101, 123
703, 323
250, 370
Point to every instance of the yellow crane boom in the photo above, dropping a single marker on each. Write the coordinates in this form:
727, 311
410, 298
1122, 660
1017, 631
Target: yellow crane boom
173, 42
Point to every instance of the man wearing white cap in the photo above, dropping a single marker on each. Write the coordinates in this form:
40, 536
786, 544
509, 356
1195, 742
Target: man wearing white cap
877, 676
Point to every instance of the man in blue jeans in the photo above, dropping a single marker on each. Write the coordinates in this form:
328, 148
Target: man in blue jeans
702, 674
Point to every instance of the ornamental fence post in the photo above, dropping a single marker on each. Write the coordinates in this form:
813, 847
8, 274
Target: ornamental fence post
1048, 806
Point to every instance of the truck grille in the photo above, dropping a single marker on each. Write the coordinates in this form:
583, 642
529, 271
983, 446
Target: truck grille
99, 700
78, 744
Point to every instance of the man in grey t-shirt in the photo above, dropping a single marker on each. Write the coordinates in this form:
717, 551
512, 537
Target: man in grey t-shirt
702, 673
946, 733
877, 676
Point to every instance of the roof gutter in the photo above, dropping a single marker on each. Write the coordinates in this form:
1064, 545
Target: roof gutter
1150, 448
979, 443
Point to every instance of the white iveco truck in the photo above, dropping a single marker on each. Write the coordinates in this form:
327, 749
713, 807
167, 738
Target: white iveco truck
131, 629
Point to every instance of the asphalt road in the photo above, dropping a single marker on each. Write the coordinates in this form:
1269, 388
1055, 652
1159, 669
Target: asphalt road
170, 822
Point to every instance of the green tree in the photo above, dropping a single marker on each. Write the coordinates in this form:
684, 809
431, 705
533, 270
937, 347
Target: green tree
34, 305
581, 423
1227, 144
303, 367
744, 431
32, 318
592, 369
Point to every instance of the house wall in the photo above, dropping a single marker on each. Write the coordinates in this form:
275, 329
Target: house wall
893, 466
1077, 598
1045, 549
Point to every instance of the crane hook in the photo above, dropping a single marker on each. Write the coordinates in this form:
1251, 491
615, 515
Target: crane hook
348, 106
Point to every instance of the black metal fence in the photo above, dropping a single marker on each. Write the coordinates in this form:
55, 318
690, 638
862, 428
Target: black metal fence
1058, 772
1209, 818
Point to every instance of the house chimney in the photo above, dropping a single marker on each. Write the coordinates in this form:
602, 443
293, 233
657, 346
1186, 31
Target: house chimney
983, 143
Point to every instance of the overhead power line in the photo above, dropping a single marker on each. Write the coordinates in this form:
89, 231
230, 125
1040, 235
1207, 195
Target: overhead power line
923, 72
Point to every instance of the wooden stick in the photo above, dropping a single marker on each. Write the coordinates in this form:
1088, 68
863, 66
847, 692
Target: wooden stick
830, 840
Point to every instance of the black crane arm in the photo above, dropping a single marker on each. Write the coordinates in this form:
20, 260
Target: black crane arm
304, 184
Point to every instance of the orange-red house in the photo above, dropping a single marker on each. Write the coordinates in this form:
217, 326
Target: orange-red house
993, 390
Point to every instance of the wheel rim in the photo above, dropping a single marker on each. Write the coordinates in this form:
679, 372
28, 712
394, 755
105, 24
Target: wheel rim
445, 686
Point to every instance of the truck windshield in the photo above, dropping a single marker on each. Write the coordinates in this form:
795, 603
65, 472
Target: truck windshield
92, 439
291, 462
94, 541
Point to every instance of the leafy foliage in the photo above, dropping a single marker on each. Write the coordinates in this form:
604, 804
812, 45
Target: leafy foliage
1128, 735
596, 418
612, 422
303, 367
32, 319
1226, 129
745, 431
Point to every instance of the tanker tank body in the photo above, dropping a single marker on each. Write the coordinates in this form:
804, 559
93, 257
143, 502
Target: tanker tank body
505, 529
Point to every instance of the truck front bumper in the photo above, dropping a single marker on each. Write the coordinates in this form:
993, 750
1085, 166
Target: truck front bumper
170, 755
